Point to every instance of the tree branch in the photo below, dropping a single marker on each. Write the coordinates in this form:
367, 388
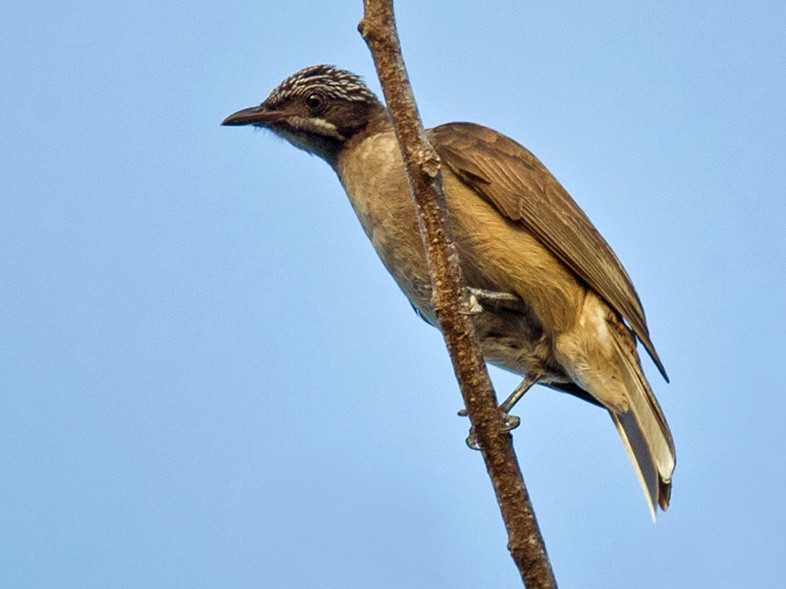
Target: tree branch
525, 542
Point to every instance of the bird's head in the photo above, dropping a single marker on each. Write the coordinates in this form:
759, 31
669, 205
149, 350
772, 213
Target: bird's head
317, 109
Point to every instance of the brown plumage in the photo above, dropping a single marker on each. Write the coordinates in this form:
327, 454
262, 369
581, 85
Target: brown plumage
575, 316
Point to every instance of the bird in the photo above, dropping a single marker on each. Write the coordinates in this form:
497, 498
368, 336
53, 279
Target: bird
551, 300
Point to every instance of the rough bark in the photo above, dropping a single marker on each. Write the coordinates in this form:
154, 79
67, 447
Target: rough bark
525, 542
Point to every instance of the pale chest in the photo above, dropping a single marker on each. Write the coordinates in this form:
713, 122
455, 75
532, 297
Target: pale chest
373, 177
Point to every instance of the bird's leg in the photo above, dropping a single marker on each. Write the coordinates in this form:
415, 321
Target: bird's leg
511, 421
478, 298
516, 395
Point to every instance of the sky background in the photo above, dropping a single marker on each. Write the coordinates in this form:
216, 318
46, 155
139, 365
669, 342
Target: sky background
207, 378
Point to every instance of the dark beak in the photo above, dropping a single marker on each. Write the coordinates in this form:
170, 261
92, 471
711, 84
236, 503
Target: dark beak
256, 115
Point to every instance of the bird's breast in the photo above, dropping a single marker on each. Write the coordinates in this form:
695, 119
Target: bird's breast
373, 177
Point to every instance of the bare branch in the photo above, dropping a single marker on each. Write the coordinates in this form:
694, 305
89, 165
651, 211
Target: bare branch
525, 542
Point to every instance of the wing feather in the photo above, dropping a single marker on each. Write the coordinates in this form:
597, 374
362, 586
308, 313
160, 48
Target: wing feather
519, 185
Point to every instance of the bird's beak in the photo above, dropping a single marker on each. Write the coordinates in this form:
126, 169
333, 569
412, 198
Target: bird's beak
256, 115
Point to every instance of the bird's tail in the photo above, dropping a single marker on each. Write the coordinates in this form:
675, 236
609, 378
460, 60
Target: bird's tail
644, 431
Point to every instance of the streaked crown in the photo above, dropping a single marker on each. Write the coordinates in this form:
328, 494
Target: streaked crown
332, 82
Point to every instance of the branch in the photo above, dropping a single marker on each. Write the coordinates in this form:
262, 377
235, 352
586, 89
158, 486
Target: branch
525, 542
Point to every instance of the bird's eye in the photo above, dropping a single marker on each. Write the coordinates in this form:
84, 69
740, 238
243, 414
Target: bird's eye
315, 101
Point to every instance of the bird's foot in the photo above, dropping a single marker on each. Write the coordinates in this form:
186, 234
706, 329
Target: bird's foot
480, 297
498, 300
510, 422
472, 306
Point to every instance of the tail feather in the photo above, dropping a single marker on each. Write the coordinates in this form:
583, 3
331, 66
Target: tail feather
645, 433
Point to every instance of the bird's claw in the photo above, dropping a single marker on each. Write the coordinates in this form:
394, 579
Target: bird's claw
511, 422
472, 440
472, 306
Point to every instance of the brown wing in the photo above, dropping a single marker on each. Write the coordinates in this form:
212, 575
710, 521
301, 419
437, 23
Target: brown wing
514, 180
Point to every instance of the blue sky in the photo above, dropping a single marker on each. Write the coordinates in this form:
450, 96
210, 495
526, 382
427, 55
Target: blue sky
207, 379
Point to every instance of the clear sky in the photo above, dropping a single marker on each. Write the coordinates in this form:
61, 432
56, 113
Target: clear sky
207, 378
